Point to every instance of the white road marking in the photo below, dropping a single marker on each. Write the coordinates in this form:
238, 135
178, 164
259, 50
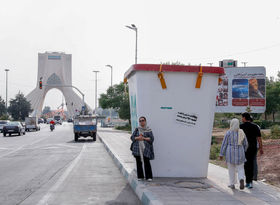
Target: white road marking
53, 146
4, 148
62, 178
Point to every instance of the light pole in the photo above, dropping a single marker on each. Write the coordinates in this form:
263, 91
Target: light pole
95, 71
111, 74
134, 28
7, 70
244, 63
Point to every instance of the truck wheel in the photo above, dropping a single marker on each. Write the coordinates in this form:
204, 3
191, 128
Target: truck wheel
76, 137
93, 135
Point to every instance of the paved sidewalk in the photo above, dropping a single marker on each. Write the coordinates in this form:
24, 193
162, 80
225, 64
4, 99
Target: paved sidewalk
212, 190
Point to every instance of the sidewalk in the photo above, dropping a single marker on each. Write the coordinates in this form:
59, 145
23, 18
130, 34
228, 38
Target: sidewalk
212, 190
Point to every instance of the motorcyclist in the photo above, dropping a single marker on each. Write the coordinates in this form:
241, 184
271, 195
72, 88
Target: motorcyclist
52, 123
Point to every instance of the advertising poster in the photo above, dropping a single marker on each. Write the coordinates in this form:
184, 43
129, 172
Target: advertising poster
241, 88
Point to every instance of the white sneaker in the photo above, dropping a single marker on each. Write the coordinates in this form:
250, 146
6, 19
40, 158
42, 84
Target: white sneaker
149, 180
140, 179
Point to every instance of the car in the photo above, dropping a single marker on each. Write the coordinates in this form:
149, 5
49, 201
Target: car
70, 120
40, 120
13, 128
2, 124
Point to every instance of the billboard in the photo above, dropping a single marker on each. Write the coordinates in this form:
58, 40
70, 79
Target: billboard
241, 88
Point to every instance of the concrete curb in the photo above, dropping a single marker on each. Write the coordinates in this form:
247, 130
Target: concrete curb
145, 196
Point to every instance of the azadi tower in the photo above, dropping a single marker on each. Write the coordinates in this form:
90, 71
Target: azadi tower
55, 71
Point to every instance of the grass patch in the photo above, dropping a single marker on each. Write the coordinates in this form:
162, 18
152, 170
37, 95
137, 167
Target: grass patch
124, 128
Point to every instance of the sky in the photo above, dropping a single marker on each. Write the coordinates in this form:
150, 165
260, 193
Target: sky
94, 32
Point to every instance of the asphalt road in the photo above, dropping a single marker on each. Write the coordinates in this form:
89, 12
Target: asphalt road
50, 168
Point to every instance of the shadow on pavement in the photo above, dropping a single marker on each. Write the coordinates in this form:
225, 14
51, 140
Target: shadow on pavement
125, 198
83, 140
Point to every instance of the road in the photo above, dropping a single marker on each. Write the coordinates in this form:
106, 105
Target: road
50, 168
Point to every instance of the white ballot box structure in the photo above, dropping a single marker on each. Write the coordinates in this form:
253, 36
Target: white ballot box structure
179, 104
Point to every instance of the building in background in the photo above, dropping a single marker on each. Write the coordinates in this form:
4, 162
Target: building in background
55, 71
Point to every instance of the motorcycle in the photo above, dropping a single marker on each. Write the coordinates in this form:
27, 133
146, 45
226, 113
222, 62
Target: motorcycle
52, 127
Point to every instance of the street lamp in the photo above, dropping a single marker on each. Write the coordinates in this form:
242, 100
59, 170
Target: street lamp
7, 70
134, 28
95, 71
111, 74
244, 63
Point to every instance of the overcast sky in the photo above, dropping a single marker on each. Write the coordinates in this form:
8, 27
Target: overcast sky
94, 32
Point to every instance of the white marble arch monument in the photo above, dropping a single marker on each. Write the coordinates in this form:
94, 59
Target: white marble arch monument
55, 71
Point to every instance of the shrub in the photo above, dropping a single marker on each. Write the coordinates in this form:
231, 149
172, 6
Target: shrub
4, 117
126, 128
213, 140
265, 124
264, 136
221, 124
275, 132
215, 151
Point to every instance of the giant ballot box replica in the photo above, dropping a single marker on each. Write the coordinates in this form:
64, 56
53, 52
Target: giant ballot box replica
179, 104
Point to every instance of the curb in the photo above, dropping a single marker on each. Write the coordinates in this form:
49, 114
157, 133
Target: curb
145, 196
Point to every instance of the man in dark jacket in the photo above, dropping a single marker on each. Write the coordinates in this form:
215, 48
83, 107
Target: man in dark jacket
253, 135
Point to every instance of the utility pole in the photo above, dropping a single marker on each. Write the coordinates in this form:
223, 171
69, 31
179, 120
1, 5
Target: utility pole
95, 71
7, 70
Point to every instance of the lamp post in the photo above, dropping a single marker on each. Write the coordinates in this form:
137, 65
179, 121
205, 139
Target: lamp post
111, 74
95, 71
134, 28
7, 70
244, 63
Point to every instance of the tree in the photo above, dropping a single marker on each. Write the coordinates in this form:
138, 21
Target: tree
272, 98
46, 110
117, 98
2, 107
19, 107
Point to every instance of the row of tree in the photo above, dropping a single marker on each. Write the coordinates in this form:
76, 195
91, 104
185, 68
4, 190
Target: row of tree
18, 109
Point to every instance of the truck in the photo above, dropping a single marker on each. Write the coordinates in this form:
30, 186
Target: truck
31, 123
84, 126
57, 119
